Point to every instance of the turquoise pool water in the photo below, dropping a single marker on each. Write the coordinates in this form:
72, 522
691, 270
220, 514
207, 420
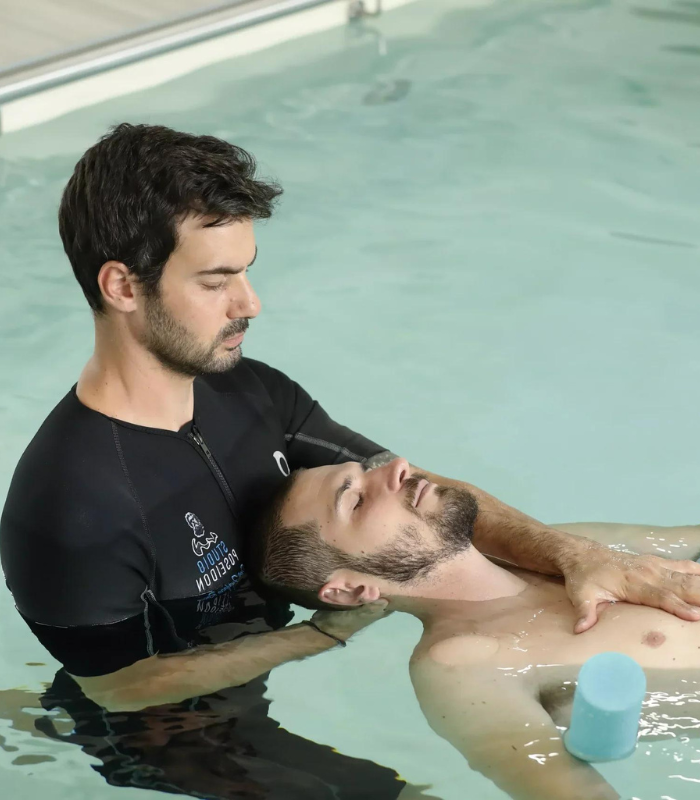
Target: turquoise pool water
487, 259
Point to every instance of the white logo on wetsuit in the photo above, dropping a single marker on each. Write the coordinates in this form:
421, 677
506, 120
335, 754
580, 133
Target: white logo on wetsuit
282, 463
215, 559
200, 547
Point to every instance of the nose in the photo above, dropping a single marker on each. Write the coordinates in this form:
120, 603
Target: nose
245, 301
397, 472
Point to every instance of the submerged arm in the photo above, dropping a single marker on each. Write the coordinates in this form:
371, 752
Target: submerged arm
210, 668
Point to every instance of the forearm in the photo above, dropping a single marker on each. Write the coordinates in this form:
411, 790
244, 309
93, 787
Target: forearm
504, 532
677, 542
552, 776
203, 670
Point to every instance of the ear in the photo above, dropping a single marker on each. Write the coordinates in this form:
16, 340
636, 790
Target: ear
117, 284
345, 589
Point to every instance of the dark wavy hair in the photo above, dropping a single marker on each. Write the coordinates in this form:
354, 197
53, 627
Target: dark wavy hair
129, 192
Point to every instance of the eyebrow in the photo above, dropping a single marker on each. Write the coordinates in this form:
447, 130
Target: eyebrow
344, 486
339, 492
226, 270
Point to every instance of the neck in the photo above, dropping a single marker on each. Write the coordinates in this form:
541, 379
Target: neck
123, 380
470, 577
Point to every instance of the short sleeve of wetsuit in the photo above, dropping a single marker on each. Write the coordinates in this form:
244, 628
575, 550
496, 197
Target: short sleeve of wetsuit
313, 438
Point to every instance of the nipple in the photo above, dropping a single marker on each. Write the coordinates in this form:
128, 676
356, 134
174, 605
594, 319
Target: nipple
653, 639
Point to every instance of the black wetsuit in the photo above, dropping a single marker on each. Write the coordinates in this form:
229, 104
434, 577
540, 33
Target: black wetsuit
120, 541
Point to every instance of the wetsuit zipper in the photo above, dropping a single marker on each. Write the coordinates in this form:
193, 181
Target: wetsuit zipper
201, 445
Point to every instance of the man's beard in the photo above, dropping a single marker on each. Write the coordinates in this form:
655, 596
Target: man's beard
176, 347
408, 558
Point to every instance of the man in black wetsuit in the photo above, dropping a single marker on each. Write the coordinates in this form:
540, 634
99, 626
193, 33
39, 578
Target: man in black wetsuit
123, 535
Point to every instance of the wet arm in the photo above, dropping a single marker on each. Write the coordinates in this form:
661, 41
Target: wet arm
506, 533
202, 670
211, 668
593, 573
504, 733
678, 542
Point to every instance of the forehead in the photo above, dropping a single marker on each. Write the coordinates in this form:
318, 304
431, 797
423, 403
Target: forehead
313, 493
229, 243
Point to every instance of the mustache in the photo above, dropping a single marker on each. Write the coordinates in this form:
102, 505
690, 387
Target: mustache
411, 486
236, 327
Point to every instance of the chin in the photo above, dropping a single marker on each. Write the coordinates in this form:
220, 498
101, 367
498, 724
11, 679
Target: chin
224, 363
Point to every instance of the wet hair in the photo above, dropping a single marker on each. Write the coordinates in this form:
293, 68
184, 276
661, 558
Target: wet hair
129, 192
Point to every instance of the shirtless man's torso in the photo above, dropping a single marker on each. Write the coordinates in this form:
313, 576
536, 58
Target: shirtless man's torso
496, 668
497, 679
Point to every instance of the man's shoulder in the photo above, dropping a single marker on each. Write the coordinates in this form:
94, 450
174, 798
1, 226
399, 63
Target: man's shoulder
70, 465
261, 384
436, 653
72, 437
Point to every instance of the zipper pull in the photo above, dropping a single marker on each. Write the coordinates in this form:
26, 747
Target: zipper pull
197, 437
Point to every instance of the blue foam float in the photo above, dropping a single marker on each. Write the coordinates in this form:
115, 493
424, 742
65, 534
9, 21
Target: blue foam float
606, 710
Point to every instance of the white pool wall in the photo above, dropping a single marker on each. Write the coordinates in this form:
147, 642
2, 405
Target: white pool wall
46, 104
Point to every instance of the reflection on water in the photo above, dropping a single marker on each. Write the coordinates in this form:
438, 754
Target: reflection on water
222, 746
636, 237
682, 11
678, 714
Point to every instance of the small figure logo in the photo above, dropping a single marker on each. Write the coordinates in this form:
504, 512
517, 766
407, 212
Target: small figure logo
199, 547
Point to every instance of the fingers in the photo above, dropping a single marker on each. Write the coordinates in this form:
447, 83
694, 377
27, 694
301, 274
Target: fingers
684, 590
588, 605
685, 611
374, 609
586, 613
686, 566
686, 585
670, 601
671, 585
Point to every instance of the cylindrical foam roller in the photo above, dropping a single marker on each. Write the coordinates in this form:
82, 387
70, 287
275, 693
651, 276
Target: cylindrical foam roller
607, 705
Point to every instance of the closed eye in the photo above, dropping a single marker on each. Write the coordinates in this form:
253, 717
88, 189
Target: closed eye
360, 501
213, 287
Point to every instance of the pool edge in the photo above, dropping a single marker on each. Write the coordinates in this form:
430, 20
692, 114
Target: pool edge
146, 62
